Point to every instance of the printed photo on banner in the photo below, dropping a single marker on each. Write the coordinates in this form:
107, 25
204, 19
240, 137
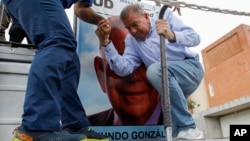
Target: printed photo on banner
112, 101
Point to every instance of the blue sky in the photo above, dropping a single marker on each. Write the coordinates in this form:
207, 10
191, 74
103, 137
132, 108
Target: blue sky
92, 97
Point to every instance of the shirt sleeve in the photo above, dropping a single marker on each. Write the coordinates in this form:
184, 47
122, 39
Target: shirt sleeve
185, 35
68, 3
88, 2
122, 65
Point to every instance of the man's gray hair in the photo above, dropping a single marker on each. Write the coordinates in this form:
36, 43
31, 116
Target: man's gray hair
133, 8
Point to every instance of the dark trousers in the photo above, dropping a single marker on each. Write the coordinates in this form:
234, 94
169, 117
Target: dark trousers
51, 95
17, 33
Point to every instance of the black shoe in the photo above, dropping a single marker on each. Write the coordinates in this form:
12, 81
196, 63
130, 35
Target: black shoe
91, 134
23, 135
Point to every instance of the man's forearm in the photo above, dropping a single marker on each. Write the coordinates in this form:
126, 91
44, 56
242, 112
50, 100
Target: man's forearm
86, 14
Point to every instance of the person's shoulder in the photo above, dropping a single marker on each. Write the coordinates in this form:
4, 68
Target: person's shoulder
102, 118
129, 38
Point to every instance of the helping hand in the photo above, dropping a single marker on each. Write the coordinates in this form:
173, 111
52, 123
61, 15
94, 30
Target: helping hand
103, 30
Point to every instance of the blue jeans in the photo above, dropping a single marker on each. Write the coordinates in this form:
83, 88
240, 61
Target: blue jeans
184, 77
51, 100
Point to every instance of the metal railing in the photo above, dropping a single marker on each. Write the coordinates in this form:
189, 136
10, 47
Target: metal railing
1, 12
199, 7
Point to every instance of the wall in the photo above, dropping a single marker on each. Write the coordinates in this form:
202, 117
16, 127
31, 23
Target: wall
14, 68
227, 66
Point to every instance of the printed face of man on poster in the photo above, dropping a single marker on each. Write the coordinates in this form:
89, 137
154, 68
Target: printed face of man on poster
134, 100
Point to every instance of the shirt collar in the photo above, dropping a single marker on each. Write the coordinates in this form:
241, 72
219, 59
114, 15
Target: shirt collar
153, 120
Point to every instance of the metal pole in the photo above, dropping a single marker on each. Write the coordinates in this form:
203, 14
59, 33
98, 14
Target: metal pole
1, 12
166, 106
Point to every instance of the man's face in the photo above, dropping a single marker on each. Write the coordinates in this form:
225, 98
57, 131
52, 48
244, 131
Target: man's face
137, 25
132, 97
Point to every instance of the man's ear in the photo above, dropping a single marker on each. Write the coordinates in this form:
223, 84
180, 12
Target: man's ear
99, 70
146, 15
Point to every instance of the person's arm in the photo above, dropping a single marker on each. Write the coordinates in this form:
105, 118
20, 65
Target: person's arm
122, 65
103, 32
86, 13
183, 34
